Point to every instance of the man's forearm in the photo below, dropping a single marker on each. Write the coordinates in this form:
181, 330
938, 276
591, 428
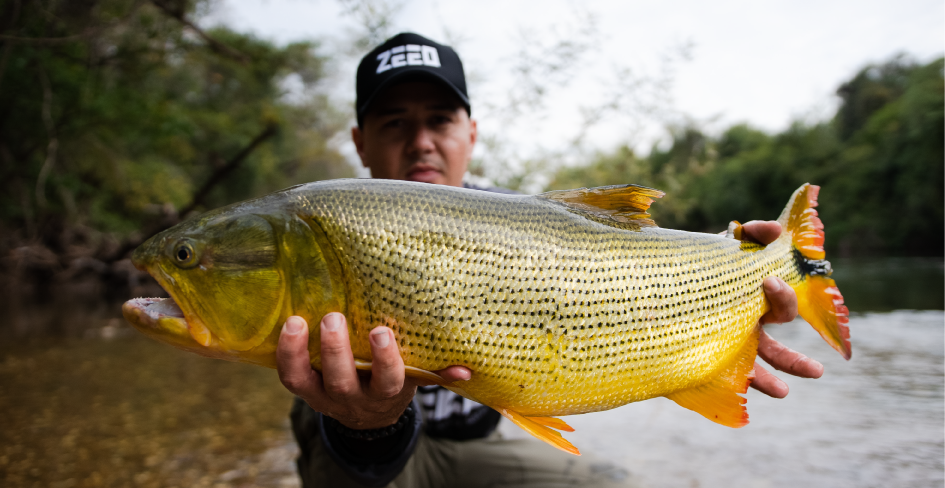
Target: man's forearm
374, 459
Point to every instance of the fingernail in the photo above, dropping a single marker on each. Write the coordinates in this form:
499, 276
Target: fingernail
332, 322
772, 285
293, 325
380, 337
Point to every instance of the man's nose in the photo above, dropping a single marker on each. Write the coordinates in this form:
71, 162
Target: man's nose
421, 139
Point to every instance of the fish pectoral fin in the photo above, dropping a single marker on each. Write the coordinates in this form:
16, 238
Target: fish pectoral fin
736, 231
410, 371
422, 374
543, 429
553, 422
719, 399
362, 365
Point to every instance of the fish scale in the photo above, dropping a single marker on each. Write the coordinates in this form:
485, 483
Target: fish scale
555, 313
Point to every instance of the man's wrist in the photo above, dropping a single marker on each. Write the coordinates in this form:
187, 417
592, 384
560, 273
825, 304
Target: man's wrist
405, 419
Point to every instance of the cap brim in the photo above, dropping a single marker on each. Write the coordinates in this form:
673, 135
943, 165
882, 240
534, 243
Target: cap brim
419, 73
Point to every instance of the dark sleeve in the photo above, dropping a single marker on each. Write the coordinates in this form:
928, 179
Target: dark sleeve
371, 463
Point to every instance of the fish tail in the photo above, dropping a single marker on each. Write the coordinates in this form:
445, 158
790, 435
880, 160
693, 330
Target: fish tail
819, 301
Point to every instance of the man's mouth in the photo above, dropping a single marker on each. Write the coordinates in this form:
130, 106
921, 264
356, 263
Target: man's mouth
423, 173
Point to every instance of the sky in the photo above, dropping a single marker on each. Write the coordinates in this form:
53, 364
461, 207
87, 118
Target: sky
640, 66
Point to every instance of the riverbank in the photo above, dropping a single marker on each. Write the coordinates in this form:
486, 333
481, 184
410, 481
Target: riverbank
118, 409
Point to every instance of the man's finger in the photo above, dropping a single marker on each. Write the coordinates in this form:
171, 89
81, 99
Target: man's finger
768, 383
455, 373
785, 359
293, 360
338, 372
387, 367
782, 299
761, 231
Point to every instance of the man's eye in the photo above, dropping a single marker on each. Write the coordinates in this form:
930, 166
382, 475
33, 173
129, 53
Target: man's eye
393, 123
440, 120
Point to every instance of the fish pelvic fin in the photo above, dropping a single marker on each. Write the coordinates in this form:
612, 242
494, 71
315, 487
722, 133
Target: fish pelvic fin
819, 300
553, 422
719, 400
543, 428
620, 204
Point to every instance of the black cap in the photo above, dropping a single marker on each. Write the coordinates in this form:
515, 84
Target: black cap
406, 57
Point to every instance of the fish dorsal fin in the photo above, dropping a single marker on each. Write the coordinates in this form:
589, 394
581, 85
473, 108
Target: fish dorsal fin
719, 399
621, 204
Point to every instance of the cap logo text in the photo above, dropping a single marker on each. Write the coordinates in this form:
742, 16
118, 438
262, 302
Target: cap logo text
409, 55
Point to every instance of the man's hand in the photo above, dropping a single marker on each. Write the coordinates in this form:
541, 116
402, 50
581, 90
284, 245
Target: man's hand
358, 402
783, 309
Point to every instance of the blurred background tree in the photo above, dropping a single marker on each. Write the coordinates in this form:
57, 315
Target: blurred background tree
119, 116
879, 162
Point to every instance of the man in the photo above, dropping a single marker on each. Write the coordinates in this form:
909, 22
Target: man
414, 124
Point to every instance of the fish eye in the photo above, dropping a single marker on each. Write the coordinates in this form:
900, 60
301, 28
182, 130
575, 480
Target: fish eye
184, 255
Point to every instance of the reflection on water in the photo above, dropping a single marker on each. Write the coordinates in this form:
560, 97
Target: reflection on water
85, 401
884, 284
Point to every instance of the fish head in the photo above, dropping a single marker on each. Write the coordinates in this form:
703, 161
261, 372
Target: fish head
223, 273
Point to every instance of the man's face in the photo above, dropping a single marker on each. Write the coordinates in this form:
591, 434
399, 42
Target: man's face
416, 131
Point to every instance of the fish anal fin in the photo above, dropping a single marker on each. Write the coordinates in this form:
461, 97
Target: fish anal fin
553, 422
626, 204
420, 374
719, 399
541, 430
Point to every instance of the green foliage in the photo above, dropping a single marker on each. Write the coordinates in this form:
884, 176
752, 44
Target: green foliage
113, 112
879, 163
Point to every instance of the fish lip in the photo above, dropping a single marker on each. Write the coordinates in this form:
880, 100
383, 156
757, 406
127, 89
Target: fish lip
168, 316
156, 316
157, 308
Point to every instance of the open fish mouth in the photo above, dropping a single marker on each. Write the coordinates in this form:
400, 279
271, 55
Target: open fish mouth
159, 318
156, 308
163, 319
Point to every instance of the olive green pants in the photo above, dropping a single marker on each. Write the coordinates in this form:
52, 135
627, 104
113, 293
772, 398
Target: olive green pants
492, 462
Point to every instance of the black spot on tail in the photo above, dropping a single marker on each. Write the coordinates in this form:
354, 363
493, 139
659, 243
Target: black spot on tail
811, 267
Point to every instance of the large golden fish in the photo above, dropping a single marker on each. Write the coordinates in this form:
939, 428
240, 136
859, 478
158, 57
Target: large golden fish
562, 303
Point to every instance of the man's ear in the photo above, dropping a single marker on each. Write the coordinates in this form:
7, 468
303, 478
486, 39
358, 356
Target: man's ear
473, 135
358, 138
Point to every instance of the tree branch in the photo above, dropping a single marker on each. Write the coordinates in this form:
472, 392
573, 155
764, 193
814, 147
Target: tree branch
224, 171
217, 46
53, 146
199, 196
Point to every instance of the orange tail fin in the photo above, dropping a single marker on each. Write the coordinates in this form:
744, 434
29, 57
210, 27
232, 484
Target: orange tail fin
818, 299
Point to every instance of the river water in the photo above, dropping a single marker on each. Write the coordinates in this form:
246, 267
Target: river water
86, 401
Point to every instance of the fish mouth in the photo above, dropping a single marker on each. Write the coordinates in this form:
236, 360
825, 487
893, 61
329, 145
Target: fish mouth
152, 316
154, 309
164, 320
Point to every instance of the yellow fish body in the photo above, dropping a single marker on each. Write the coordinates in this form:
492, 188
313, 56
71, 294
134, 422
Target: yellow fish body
562, 303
